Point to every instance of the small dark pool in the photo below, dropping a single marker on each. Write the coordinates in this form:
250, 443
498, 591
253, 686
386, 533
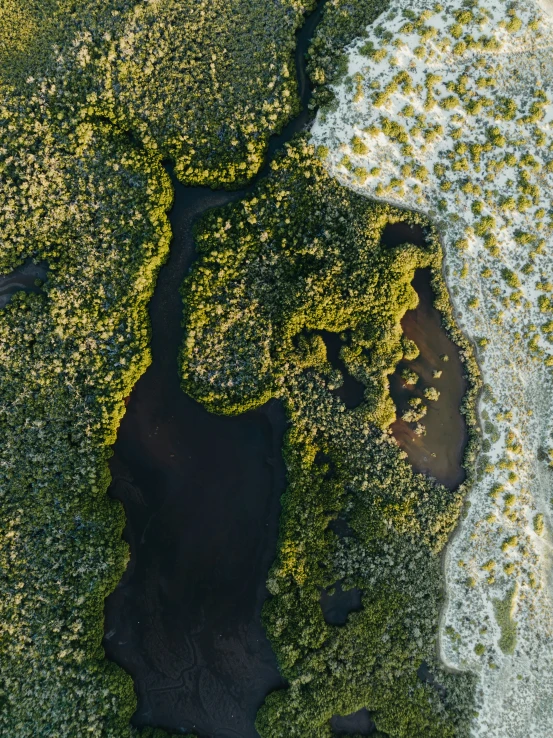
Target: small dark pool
351, 391
23, 278
337, 606
358, 723
396, 234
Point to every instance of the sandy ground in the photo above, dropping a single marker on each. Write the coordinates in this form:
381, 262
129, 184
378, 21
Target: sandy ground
465, 135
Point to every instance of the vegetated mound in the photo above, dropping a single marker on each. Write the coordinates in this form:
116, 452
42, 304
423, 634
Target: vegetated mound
299, 256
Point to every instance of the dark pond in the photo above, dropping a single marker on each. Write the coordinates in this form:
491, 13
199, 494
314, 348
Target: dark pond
439, 453
396, 234
358, 723
351, 391
426, 676
337, 606
22, 278
201, 493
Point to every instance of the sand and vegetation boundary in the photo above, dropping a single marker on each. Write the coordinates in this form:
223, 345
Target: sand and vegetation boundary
446, 108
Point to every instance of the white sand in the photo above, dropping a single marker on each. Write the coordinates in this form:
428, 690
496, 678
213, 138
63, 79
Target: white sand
515, 695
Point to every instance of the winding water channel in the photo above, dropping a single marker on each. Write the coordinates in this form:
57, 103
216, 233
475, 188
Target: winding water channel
201, 494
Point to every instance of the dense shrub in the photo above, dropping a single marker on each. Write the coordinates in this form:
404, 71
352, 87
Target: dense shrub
301, 255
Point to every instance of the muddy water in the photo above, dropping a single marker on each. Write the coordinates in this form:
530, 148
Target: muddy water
439, 453
201, 494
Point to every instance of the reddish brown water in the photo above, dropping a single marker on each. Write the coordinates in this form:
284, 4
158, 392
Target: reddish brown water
439, 453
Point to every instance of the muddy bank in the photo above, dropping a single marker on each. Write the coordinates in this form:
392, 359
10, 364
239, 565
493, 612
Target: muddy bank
439, 453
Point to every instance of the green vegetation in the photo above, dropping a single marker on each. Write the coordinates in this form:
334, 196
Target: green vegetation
203, 83
409, 376
504, 615
94, 96
298, 256
342, 22
86, 124
69, 355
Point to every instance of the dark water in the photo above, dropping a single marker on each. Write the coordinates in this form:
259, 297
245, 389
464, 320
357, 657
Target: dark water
351, 392
426, 676
358, 723
22, 278
201, 494
396, 234
337, 606
440, 452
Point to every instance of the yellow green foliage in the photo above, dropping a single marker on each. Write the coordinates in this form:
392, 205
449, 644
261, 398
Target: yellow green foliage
299, 256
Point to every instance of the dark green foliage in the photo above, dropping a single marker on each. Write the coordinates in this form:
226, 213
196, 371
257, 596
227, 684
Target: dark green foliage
92, 206
342, 22
202, 82
300, 255
85, 126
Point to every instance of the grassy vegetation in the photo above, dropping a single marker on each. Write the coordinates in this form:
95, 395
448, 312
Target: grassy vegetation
298, 256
